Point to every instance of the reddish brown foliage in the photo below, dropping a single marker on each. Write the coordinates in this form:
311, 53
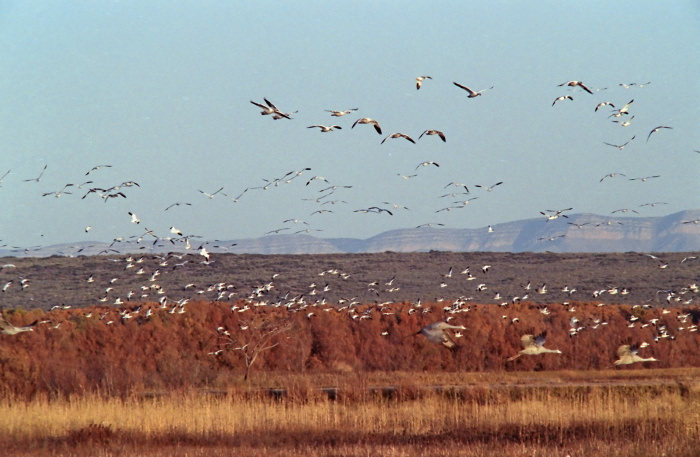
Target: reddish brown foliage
178, 351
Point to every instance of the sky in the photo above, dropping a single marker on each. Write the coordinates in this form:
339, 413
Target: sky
158, 93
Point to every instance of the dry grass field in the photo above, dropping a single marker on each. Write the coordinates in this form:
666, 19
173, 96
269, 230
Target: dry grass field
558, 413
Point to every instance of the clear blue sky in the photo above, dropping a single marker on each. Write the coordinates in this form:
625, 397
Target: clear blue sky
161, 91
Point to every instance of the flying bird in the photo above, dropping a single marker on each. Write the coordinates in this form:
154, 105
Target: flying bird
38, 178
178, 204
557, 213
626, 123
419, 81
657, 129
326, 128
134, 219
611, 175
341, 113
621, 146
487, 188
399, 135
576, 83
366, 120
4, 176
270, 109
434, 132
623, 110
97, 167
563, 97
8, 329
472, 94
601, 104
315, 178
373, 209
628, 354
437, 333
209, 196
533, 345
425, 164
645, 178
58, 193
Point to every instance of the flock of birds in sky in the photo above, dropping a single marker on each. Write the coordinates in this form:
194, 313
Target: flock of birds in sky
330, 198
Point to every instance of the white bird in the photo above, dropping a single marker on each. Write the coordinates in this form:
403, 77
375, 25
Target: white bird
628, 354
325, 128
420, 79
623, 110
626, 123
134, 219
603, 104
176, 231
472, 94
210, 196
437, 333
489, 188
563, 97
8, 329
425, 164
341, 113
557, 213
533, 345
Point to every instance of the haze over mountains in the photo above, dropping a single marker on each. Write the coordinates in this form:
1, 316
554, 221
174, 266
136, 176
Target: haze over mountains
678, 232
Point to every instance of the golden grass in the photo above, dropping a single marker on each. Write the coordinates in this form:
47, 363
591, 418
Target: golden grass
525, 414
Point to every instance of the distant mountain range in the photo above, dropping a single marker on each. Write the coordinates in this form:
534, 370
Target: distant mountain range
679, 232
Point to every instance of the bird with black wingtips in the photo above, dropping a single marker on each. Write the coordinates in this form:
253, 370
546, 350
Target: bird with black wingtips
434, 132
399, 135
656, 129
576, 84
563, 97
419, 81
472, 94
367, 120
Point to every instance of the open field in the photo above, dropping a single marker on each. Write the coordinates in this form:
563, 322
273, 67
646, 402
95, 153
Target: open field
615, 278
530, 414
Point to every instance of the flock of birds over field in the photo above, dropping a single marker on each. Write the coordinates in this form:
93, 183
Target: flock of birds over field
329, 197
143, 303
